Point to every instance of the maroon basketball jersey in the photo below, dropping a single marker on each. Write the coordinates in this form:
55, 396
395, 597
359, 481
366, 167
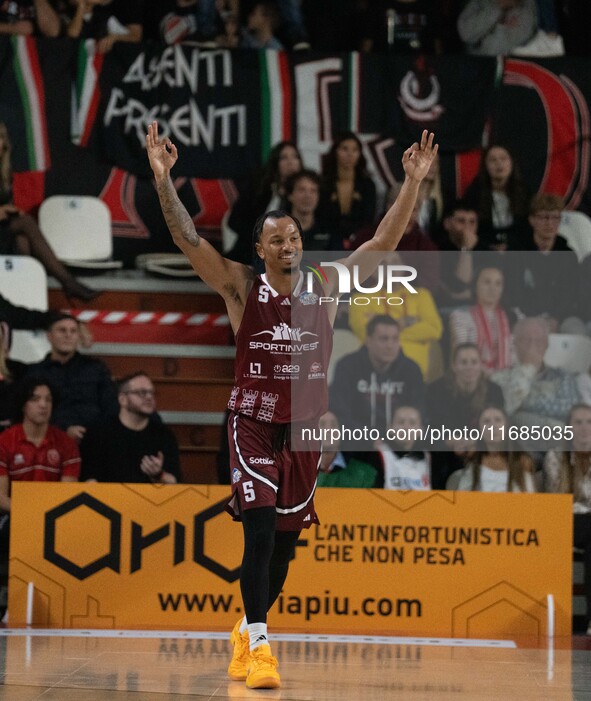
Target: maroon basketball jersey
283, 347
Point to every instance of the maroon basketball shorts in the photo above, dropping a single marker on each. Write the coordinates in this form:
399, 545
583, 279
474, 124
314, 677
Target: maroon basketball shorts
266, 474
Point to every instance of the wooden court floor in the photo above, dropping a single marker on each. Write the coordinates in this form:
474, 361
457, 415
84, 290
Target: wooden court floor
138, 666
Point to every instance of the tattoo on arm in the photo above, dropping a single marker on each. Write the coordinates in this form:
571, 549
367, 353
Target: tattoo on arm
177, 218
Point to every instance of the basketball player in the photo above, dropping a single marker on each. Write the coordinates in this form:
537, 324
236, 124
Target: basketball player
283, 335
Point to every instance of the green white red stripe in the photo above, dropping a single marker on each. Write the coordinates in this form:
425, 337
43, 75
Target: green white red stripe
276, 99
29, 80
86, 92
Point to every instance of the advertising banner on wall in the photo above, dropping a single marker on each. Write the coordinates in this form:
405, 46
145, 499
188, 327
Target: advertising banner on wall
450, 564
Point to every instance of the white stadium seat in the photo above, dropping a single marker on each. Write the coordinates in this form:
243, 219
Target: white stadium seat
23, 282
569, 351
78, 228
576, 229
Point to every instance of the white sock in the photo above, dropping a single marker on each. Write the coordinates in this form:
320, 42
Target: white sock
243, 626
258, 634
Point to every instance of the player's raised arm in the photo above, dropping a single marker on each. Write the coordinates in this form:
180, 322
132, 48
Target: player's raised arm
416, 162
222, 275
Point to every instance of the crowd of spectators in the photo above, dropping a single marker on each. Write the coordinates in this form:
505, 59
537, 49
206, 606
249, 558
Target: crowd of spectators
480, 27
468, 350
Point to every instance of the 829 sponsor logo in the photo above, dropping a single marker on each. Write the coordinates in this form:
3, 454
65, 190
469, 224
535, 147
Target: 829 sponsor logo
286, 369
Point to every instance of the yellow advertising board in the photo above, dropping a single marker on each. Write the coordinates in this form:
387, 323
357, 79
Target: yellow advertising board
453, 564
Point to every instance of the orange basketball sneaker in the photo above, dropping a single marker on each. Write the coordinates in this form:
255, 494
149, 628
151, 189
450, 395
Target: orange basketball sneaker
238, 667
262, 672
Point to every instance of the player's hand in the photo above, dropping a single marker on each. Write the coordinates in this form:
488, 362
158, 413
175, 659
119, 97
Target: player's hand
417, 159
162, 153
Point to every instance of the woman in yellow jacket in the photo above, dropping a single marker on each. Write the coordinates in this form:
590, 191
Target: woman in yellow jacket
420, 323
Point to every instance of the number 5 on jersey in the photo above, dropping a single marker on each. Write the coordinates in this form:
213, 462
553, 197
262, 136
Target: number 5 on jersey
248, 488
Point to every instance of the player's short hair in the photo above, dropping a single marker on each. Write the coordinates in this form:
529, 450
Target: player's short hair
273, 214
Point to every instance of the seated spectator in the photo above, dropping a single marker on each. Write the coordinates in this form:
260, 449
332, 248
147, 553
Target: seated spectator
494, 27
495, 467
458, 234
134, 446
405, 465
262, 192
455, 402
11, 371
262, 23
348, 194
107, 21
27, 17
569, 472
500, 196
370, 383
535, 395
486, 323
544, 275
417, 316
20, 235
87, 392
457, 399
338, 469
302, 192
33, 450
402, 26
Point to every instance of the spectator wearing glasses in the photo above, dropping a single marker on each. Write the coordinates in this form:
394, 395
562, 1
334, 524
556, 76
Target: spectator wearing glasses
135, 446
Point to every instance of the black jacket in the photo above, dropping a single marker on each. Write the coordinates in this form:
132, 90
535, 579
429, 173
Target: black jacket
86, 392
362, 397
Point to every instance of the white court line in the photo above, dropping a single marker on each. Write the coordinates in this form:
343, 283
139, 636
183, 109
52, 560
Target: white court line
284, 637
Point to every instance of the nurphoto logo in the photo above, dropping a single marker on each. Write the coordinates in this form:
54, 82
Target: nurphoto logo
387, 279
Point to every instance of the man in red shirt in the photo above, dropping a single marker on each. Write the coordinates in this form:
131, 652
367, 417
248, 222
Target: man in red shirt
32, 450
282, 334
